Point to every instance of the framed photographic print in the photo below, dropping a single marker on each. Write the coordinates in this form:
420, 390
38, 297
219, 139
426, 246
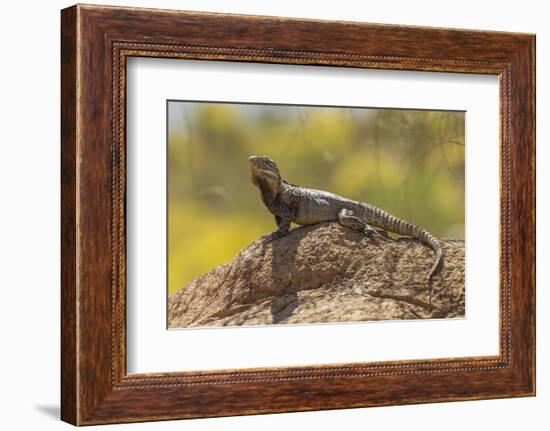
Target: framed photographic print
279, 215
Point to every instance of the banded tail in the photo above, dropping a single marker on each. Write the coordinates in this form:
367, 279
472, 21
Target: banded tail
387, 221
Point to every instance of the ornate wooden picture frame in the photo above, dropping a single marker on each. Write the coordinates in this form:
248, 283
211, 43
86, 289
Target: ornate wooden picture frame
96, 41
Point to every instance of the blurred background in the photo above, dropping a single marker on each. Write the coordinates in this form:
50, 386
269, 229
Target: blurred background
408, 162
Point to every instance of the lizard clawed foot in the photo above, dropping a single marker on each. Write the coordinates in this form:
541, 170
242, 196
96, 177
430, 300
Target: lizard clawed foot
383, 234
272, 236
377, 233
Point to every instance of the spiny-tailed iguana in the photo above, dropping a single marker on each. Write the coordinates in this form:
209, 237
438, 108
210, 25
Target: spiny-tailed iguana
303, 206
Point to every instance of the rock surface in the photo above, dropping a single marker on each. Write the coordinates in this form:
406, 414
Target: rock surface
324, 273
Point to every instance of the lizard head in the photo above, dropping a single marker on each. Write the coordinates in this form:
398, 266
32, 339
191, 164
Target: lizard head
264, 172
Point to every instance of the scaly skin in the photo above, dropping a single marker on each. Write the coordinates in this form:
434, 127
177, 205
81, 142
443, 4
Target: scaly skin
303, 206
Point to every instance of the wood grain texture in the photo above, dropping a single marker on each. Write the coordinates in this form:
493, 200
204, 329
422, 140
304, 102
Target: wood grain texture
69, 397
96, 41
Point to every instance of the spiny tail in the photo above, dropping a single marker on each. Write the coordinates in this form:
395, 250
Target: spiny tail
394, 224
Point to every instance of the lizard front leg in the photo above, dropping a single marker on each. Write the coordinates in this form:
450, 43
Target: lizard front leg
283, 226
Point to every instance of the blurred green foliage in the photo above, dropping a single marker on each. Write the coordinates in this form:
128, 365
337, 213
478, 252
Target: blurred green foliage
408, 162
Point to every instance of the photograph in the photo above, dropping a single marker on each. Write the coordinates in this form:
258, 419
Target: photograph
301, 214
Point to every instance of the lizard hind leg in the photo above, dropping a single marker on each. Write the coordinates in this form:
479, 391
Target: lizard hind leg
346, 218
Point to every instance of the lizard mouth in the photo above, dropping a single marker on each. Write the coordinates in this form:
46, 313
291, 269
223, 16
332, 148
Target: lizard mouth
262, 166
